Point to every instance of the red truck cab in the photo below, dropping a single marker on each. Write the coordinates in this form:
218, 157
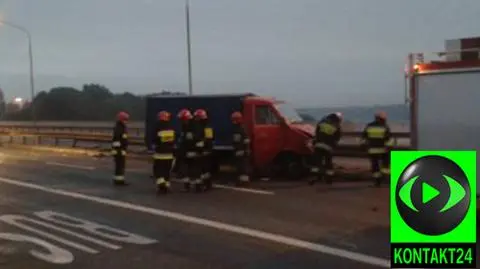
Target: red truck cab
278, 135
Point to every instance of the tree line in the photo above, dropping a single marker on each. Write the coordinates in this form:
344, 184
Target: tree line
94, 102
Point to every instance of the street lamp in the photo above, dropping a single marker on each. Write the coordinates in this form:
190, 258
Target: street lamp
30, 56
189, 55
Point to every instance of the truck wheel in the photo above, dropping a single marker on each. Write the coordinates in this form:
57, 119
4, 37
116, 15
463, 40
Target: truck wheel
294, 169
290, 166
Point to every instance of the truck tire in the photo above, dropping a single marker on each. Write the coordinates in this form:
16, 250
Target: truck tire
290, 166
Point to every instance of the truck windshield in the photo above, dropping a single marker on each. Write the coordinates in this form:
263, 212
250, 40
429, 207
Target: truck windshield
288, 112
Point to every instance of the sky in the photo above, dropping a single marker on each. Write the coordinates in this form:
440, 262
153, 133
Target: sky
312, 53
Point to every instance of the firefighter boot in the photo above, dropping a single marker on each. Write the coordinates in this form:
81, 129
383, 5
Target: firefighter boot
208, 181
199, 186
119, 181
314, 172
186, 184
377, 177
162, 185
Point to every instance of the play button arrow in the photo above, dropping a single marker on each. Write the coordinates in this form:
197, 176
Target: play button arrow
428, 193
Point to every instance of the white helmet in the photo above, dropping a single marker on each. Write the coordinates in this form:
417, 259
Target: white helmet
339, 115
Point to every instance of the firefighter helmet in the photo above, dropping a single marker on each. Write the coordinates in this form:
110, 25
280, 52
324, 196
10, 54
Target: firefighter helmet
200, 114
339, 115
237, 117
184, 114
123, 116
381, 115
163, 116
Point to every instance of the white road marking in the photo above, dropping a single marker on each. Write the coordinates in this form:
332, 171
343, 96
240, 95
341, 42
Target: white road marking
81, 236
53, 254
95, 228
226, 187
71, 165
358, 257
13, 220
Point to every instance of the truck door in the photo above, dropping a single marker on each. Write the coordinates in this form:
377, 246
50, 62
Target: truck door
267, 134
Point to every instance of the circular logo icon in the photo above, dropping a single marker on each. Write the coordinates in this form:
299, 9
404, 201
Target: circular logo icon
433, 195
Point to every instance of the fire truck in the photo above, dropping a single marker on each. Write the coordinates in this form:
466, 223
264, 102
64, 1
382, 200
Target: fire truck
443, 91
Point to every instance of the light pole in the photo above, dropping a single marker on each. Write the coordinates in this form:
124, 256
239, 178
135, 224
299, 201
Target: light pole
30, 56
189, 55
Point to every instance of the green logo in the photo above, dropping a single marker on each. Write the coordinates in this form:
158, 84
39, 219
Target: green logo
433, 196
433, 204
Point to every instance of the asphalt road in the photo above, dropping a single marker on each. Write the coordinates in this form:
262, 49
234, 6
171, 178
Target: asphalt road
61, 211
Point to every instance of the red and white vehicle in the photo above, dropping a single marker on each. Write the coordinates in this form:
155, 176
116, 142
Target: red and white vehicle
444, 98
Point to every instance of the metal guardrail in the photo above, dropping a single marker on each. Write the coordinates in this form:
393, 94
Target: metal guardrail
100, 133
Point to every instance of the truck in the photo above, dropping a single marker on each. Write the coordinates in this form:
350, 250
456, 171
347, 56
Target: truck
444, 96
279, 137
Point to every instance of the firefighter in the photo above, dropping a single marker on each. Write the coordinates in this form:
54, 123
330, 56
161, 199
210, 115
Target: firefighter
327, 134
241, 145
119, 147
207, 149
378, 139
189, 145
164, 150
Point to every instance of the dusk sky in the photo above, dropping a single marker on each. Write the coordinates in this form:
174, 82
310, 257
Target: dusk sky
309, 52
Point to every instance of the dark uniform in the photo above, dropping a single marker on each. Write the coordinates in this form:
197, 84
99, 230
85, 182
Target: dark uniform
163, 156
189, 145
207, 154
327, 134
377, 138
119, 151
241, 147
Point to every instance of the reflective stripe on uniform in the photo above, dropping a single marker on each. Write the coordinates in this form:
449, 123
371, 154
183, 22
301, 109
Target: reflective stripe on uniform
198, 181
244, 178
377, 175
124, 153
191, 154
166, 136
159, 156
246, 141
377, 150
376, 132
116, 144
199, 144
189, 135
330, 172
208, 132
385, 171
315, 170
161, 181
125, 136
327, 128
237, 137
185, 180
207, 175
239, 153
323, 146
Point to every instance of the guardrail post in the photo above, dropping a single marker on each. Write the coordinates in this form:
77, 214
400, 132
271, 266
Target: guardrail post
74, 143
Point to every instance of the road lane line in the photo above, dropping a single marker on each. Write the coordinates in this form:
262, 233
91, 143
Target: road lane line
226, 187
13, 220
358, 257
71, 165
